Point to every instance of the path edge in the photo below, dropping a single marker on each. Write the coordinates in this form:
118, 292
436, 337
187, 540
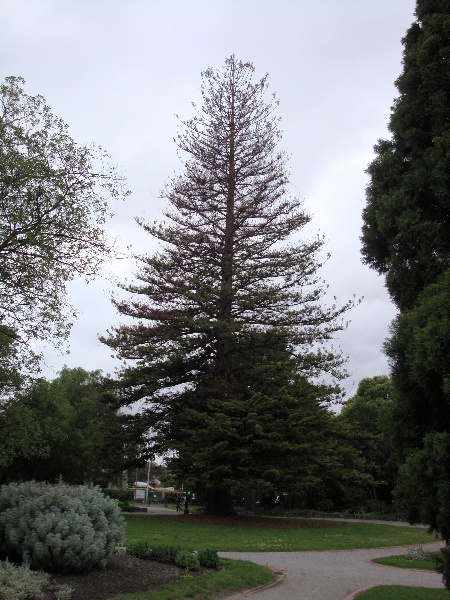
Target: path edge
280, 577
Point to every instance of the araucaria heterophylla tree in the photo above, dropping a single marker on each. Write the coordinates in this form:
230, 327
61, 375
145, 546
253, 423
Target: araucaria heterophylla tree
231, 305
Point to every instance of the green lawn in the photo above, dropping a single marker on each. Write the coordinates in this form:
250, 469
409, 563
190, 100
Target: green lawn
398, 592
234, 576
198, 535
404, 562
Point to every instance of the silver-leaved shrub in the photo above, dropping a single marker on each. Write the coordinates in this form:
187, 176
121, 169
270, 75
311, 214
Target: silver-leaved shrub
57, 527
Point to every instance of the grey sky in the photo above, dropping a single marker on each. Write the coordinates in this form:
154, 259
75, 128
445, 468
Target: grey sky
118, 71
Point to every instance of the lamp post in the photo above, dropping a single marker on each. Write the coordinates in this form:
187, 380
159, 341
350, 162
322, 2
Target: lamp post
186, 502
147, 497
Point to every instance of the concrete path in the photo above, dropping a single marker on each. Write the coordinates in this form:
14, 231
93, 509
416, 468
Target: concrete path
333, 575
329, 575
157, 509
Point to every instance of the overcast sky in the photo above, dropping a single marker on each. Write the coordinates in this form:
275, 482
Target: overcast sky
117, 71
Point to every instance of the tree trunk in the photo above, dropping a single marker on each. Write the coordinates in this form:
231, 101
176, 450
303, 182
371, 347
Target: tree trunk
218, 501
227, 266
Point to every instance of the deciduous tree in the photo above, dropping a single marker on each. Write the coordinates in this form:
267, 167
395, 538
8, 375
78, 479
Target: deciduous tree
53, 204
67, 427
369, 414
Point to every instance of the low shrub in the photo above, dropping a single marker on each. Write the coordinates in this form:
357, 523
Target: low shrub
56, 527
173, 555
125, 496
18, 583
187, 560
171, 498
208, 558
163, 554
443, 566
418, 554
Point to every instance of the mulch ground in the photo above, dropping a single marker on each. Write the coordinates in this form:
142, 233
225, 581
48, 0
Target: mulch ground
123, 574
126, 574
251, 521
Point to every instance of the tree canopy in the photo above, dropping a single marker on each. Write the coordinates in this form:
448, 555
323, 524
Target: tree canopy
68, 427
419, 354
54, 198
406, 231
369, 414
406, 236
232, 296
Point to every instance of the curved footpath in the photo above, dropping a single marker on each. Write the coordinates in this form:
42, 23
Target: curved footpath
333, 575
330, 574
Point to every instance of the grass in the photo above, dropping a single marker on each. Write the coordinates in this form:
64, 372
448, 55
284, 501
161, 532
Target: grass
234, 576
199, 535
399, 592
404, 562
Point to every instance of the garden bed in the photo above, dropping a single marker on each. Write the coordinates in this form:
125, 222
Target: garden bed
123, 574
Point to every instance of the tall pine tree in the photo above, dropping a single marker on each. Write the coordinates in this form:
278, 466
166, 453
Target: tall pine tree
228, 305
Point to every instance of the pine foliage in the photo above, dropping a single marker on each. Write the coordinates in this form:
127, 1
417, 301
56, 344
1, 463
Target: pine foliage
233, 298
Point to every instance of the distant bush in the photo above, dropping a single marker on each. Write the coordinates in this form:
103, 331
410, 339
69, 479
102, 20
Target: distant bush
56, 527
173, 555
325, 505
170, 498
187, 560
418, 554
125, 498
120, 495
163, 554
443, 566
208, 558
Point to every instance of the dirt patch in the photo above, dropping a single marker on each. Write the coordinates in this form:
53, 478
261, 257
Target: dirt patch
252, 521
123, 574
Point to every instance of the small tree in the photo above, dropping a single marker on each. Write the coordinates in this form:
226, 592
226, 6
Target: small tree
53, 204
68, 427
368, 414
227, 295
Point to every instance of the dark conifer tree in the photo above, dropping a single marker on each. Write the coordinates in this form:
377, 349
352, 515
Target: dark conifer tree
229, 303
406, 232
406, 236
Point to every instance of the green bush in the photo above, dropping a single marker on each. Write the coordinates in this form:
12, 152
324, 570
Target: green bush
124, 496
162, 554
18, 583
326, 505
173, 555
186, 560
170, 498
56, 527
208, 558
443, 566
